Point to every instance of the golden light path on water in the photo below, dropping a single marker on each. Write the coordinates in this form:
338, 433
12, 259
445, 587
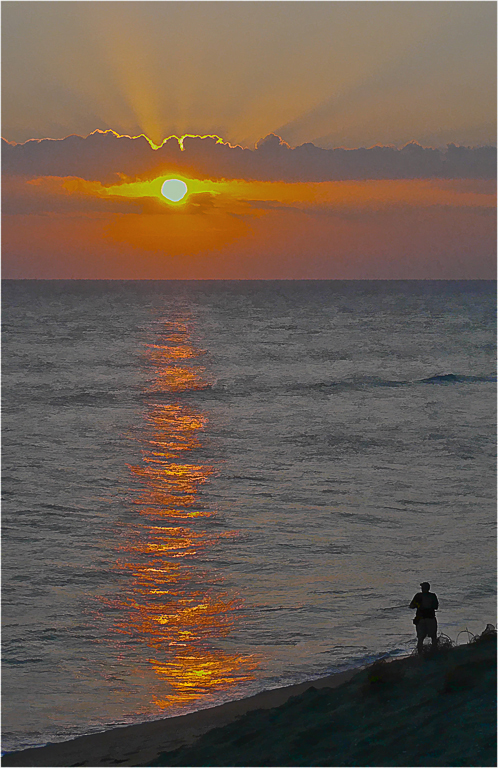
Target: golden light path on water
173, 606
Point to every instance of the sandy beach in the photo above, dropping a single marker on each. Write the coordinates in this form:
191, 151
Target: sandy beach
138, 744
435, 710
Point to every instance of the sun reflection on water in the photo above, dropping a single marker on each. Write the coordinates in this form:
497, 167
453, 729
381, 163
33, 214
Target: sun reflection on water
176, 605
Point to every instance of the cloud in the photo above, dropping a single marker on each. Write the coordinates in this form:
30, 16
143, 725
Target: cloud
107, 157
56, 195
50, 195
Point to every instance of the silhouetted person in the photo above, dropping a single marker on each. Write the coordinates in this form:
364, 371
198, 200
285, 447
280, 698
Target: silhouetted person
426, 604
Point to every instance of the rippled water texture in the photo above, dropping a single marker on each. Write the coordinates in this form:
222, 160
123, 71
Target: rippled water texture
213, 488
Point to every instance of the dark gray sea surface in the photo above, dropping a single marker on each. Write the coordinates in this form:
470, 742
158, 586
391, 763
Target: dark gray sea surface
215, 488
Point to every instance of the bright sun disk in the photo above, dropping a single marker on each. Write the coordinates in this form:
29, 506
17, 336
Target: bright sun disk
174, 190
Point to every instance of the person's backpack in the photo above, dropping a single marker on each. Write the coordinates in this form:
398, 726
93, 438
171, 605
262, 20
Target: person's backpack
427, 606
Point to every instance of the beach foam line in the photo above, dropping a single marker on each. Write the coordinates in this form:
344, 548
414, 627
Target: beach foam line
140, 744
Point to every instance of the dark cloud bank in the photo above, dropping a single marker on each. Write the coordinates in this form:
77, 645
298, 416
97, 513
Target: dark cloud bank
105, 156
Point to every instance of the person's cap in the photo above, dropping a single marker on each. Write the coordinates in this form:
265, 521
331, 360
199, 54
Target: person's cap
425, 584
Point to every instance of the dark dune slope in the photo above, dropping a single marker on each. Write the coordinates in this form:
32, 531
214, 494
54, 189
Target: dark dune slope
434, 711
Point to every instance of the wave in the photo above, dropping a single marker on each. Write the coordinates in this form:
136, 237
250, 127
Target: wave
453, 378
243, 388
17, 662
88, 398
444, 378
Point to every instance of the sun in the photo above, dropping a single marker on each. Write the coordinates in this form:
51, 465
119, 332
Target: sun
174, 190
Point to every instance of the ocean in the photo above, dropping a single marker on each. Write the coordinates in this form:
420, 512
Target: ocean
212, 488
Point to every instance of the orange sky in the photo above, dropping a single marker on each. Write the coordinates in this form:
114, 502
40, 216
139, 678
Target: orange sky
251, 229
286, 87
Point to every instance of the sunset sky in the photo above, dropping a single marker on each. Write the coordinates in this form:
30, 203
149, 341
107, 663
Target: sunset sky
327, 151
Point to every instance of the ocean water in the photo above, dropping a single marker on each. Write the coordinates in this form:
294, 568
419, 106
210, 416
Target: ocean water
215, 488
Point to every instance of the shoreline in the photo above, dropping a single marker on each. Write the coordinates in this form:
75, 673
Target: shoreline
437, 709
137, 744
